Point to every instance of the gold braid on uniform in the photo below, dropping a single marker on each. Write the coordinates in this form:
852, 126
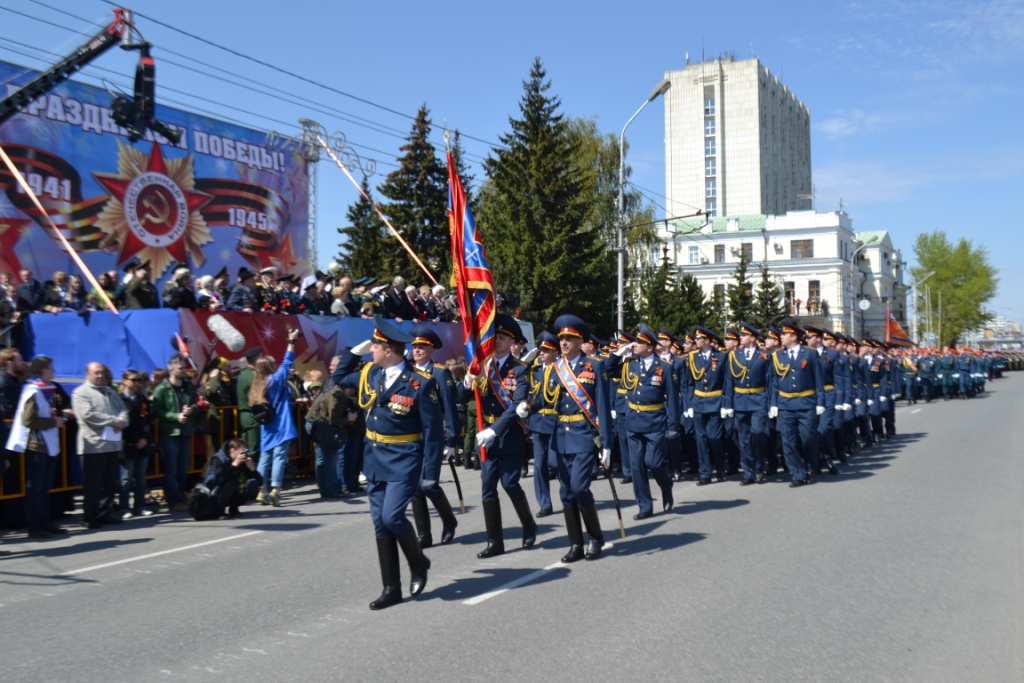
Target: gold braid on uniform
693, 369
550, 397
733, 364
780, 369
367, 396
629, 382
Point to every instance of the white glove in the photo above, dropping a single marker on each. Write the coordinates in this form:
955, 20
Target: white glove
486, 437
956, 375
363, 348
523, 410
688, 413
820, 410
939, 376
469, 380
773, 413
847, 406
531, 354
614, 416
918, 379
624, 351
606, 457
427, 483
882, 399
896, 396
870, 402
449, 452
726, 412
671, 435
857, 401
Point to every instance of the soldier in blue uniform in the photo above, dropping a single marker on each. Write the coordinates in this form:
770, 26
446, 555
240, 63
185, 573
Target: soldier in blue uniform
687, 433
619, 406
651, 417
404, 445
731, 342
707, 399
844, 391
503, 386
911, 377
798, 398
751, 373
926, 376
580, 396
771, 343
424, 342
666, 343
895, 371
543, 419
878, 388
828, 362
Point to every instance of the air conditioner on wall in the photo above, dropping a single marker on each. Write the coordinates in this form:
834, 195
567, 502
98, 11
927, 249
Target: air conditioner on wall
703, 260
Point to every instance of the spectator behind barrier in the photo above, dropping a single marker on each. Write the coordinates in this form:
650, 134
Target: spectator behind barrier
138, 444
277, 430
175, 409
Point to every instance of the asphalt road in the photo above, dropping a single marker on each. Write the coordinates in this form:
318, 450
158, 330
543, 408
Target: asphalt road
907, 567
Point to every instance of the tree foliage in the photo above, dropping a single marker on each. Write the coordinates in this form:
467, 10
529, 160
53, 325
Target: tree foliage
664, 300
767, 308
418, 206
366, 241
964, 277
741, 294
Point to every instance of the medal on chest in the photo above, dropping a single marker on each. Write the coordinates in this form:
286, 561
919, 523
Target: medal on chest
510, 381
588, 376
400, 405
658, 377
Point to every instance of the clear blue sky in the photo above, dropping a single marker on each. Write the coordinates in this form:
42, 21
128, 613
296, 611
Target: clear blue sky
915, 106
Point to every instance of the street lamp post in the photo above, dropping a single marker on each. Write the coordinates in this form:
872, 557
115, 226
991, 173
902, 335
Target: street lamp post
913, 299
853, 261
659, 90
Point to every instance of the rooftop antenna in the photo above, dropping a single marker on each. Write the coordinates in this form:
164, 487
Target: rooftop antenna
687, 59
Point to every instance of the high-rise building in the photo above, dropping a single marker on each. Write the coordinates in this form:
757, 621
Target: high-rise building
737, 141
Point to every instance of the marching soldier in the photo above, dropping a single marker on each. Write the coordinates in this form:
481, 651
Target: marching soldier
845, 384
502, 388
543, 417
731, 342
619, 407
797, 398
404, 446
424, 342
865, 401
828, 361
707, 398
582, 435
651, 418
750, 369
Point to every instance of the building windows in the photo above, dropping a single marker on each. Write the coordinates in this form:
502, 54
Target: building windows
710, 187
747, 251
709, 127
709, 107
719, 293
709, 147
719, 253
711, 207
694, 255
813, 295
710, 168
789, 291
801, 249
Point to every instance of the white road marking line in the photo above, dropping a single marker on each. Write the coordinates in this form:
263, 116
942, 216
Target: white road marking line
520, 581
162, 552
915, 410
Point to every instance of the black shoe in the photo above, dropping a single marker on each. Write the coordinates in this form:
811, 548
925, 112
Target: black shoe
522, 507
642, 515
39, 532
626, 480
832, 470
721, 477
574, 530
746, 482
92, 524
677, 476
593, 549
544, 512
593, 525
476, 464
390, 596
390, 573
668, 502
418, 562
575, 554
525, 472
448, 521
54, 528
703, 482
492, 521
798, 482
812, 477
759, 477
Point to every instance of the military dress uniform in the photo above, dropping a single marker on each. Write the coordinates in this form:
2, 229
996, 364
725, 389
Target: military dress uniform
651, 418
580, 398
424, 335
502, 388
543, 420
751, 386
878, 389
619, 407
404, 443
707, 398
798, 394
828, 361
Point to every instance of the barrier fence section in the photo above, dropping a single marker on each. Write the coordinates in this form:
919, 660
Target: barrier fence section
69, 470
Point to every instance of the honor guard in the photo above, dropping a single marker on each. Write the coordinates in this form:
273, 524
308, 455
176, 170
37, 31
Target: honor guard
844, 389
865, 400
651, 417
750, 369
619, 407
543, 416
666, 343
404, 446
798, 398
878, 379
424, 342
582, 435
708, 400
502, 388
828, 360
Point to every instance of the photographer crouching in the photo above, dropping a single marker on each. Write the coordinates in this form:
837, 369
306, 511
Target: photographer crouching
230, 480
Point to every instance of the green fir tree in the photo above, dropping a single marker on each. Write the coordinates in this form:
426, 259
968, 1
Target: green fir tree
768, 308
741, 294
366, 242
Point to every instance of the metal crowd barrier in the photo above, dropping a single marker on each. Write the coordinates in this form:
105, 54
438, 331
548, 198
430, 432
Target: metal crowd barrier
13, 481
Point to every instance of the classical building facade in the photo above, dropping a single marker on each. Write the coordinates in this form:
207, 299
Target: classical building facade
823, 266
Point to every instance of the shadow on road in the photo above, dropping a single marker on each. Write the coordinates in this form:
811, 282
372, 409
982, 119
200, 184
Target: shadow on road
690, 507
489, 579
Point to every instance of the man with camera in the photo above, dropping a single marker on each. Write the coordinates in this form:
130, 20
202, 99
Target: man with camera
230, 480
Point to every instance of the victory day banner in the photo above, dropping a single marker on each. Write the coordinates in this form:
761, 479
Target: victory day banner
220, 197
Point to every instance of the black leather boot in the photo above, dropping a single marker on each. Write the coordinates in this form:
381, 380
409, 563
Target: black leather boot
447, 515
526, 519
421, 517
574, 529
492, 521
418, 562
593, 525
390, 573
